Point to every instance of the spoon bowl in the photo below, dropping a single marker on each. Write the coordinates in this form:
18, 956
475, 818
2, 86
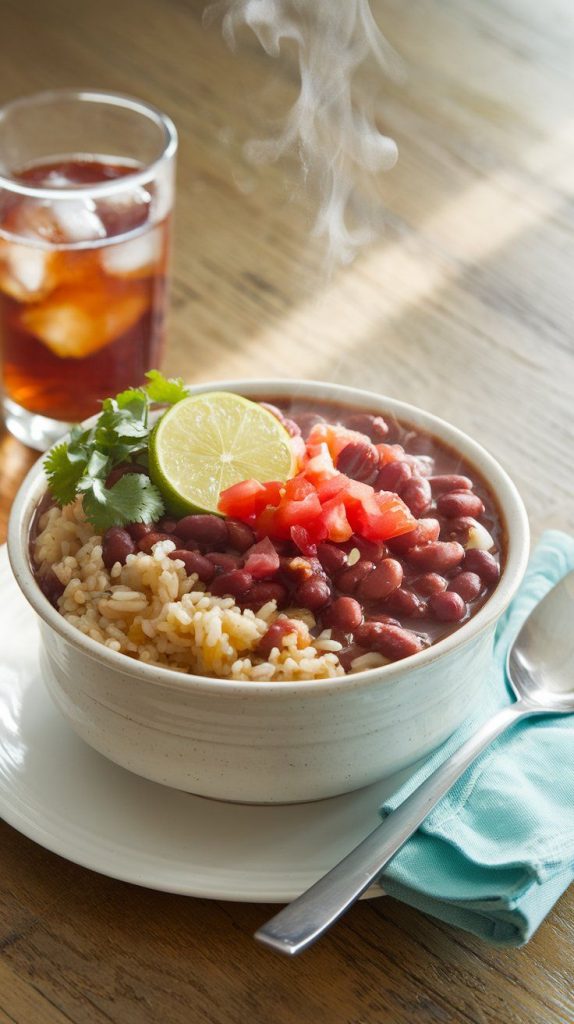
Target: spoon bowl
540, 663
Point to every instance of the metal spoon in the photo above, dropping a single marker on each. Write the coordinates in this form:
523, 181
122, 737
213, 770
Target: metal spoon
540, 667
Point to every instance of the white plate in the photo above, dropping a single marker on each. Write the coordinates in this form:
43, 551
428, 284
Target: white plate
62, 794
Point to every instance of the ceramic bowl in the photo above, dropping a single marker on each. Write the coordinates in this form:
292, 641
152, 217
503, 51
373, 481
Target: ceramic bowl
274, 742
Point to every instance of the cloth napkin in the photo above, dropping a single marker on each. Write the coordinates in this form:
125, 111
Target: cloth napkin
498, 850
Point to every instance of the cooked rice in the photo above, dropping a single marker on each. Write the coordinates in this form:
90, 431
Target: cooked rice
151, 610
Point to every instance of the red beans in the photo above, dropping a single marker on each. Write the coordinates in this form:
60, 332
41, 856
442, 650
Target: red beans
381, 582
146, 543
345, 614
393, 642
393, 477
50, 586
483, 564
457, 528
313, 594
349, 579
240, 536
260, 593
467, 584
380, 617
139, 530
417, 495
425, 531
450, 482
359, 460
167, 525
373, 426
448, 606
459, 503
331, 557
116, 546
207, 530
222, 561
404, 602
236, 583
274, 636
437, 556
373, 550
307, 421
195, 563
430, 583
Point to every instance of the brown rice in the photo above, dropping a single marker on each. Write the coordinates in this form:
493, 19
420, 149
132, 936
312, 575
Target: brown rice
151, 610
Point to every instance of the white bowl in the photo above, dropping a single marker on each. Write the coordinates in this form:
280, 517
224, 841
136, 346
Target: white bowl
274, 742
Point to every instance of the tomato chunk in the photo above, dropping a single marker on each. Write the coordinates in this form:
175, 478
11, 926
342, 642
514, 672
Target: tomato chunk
248, 497
334, 436
262, 559
318, 503
297, 513
334, 519
298, 487
381, 517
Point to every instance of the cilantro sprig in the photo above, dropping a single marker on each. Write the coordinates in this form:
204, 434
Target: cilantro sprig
119, 437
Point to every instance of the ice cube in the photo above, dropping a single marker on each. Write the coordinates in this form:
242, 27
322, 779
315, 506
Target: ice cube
134, 258
27, 273
76, 322
78, 220
125, 212
124, 202
57, 221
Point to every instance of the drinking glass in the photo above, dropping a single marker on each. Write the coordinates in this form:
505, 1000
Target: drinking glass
86, 193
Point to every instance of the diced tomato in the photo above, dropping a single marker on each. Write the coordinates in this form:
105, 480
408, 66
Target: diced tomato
390, 453
298, 487
334, 436
348, 491
355, 491
262, 559
306, 543
381, 517
264, 526
297, 513
334, 519
328, 489
318, 503
248, 498
319, 464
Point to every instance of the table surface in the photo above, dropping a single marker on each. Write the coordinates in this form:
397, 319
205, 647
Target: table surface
464, 306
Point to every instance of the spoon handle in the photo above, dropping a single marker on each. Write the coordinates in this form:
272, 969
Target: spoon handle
305, 919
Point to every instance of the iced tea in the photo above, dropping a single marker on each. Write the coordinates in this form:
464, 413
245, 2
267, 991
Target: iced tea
82, 287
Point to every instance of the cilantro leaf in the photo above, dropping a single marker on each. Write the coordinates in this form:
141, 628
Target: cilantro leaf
163, 390
133, 499
132, 399
64, 474
119, 436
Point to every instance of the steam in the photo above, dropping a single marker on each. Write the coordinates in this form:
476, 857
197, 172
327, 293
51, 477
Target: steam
332, 126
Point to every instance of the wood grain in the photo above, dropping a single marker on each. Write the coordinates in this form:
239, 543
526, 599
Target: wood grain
463, 305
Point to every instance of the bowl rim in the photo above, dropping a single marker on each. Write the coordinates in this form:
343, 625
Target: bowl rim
510, 504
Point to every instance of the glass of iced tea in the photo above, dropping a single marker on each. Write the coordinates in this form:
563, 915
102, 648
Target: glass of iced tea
86, 192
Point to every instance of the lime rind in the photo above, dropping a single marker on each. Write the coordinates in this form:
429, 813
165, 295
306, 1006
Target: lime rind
208, 442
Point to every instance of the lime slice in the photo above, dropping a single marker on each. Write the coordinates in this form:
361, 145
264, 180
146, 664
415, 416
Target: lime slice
210, 441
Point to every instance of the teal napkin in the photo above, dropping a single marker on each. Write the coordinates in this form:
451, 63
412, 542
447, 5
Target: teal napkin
498, 850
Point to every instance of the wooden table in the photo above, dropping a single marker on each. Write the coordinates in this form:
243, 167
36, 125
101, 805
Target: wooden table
464, 306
